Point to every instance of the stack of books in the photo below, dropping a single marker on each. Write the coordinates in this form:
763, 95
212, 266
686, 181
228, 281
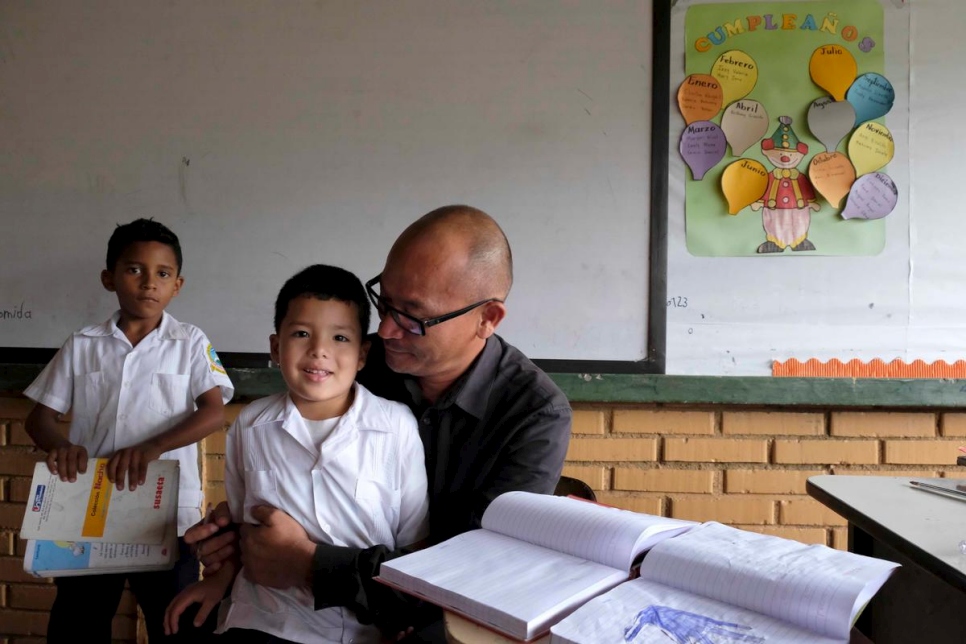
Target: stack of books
89, 527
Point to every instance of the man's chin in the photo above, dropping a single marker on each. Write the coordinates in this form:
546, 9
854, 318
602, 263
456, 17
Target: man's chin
400, 363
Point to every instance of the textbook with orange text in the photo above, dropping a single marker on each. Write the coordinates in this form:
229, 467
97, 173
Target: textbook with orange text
90, 527
93, 509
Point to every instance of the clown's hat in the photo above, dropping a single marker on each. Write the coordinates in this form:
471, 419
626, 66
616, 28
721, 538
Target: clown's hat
784, 138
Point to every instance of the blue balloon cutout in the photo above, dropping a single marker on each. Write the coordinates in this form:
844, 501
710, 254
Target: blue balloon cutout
872, 96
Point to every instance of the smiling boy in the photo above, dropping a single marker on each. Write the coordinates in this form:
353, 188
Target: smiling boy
345, 464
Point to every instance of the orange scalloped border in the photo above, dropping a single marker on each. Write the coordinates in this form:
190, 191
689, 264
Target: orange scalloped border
876, 368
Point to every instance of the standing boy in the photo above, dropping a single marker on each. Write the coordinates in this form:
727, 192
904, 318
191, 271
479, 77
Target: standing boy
140, 386
343, 463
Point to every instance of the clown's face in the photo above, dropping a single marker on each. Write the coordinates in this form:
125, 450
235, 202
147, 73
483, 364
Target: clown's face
783, 158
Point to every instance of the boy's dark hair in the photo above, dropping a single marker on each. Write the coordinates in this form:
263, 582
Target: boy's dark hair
140, 230
324, 283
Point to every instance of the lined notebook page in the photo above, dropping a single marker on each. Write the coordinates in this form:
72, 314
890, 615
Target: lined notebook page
499, 580
642, 612
814, 587
603, 534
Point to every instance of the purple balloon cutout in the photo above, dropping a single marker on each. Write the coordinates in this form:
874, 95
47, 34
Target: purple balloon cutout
872, 196
703, 144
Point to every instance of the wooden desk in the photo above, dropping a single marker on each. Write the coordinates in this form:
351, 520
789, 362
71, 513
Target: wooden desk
925, 599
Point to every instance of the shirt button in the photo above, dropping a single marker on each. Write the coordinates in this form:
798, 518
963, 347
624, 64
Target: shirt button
325, 527
425, 421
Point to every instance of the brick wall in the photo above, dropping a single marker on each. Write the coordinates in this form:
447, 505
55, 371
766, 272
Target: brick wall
748, 468
742, 467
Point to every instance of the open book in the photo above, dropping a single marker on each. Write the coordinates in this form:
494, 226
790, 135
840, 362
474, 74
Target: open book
721, 584
89, 527
536, 558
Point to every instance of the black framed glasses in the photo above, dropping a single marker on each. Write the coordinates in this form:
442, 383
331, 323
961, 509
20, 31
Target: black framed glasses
407, 322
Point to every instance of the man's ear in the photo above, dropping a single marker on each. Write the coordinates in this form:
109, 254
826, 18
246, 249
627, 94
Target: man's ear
363, 354
107, 280
490, 318
273, 347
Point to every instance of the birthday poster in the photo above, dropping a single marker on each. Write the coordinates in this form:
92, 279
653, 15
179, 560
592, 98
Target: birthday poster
785, 138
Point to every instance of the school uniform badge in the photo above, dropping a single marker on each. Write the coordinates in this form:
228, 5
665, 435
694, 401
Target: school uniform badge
214, 362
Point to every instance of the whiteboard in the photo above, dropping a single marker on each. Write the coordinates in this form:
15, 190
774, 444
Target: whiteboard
907, 302
273, 134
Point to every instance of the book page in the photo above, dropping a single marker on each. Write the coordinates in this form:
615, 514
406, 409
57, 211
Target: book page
814, 587
607, 535
510, 585
642, 612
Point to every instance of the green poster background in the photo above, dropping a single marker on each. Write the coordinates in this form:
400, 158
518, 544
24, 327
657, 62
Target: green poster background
784, 87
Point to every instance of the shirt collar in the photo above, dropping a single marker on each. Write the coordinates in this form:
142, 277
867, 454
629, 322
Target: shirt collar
363, 407
169, 329
472, 390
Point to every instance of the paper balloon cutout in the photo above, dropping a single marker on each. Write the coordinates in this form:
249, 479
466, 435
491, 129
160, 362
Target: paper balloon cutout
699, 97
871, 147
872, 96
737, 72
832, 175
830, 121
833, 69
873, 196
744, 123
703, 144
743, 182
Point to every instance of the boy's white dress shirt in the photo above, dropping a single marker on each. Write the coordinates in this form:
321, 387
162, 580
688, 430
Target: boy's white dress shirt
121, 395
364, 485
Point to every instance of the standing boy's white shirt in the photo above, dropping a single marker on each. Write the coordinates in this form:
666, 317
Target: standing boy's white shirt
365, 486
121, 395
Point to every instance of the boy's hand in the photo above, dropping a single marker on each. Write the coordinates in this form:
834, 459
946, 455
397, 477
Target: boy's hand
67, 460
212, 539
132, 461
207, 592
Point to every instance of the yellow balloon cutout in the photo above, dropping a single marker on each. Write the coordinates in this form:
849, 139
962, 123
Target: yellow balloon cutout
833, 68
737, 72
699, 98
832, 175
871, 147
743, 183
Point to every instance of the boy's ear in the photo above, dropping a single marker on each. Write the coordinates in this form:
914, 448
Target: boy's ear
107, 280
490, 318
363, 353
178, 283
273, 347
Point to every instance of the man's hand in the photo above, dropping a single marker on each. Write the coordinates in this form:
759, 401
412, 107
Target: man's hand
211, 548
133, 462
278, 552
67, 460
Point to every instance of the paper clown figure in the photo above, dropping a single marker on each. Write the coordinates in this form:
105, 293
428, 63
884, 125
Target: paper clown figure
789, 197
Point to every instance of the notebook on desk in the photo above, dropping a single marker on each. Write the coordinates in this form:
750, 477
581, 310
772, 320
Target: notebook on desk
953, 488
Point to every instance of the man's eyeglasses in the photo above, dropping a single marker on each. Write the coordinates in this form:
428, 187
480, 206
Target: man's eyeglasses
411, 324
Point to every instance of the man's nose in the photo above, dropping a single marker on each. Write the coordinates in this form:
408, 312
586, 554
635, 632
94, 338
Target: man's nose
388, 329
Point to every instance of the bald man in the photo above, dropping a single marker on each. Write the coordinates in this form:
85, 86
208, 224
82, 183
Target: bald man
490, 420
